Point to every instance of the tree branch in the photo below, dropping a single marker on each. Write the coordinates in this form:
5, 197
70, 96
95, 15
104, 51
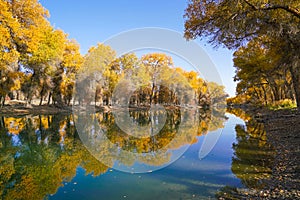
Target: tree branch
293, 11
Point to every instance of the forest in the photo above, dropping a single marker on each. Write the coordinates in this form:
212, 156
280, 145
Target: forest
264, 36
39, 63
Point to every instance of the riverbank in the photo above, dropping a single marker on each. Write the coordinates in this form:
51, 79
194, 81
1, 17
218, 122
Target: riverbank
283, 132
16, 108
33, 109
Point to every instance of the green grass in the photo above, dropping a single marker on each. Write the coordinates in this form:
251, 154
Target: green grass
283, 104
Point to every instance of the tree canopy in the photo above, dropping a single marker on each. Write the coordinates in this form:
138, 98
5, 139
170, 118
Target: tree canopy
273, 24
36, 60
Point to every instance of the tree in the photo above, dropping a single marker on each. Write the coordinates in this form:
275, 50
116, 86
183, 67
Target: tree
217, 94
155, 64
43, 58
262, 57
8, 53
27, 33
235, 23
131, 69
35, 57
96, 67
200, 87
70, 64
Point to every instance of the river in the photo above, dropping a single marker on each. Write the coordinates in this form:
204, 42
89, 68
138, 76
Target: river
192, 155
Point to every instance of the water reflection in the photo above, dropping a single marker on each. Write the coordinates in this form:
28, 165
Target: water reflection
47, 153
39, 153
253, 155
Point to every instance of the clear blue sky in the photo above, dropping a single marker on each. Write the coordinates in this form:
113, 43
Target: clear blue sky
93, 21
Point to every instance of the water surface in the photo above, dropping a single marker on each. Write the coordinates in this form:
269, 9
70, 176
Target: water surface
43, 157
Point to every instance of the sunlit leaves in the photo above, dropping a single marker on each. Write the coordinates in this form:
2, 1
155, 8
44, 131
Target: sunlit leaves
253, 26
260, 74
233, 22
32, 52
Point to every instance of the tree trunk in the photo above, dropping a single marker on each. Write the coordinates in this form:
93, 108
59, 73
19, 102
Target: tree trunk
107, 100
296, 83
257, 94
290, 91
152, 93
18, 95
2, 124
3, 102
49, 98
41, 100
274, 89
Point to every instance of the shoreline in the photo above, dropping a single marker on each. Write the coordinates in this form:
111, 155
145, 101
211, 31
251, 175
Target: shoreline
18, 110
283, 133
22, 109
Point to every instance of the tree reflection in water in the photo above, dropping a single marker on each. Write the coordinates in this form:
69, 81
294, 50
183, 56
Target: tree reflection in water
39, 153
48, 153
253, 155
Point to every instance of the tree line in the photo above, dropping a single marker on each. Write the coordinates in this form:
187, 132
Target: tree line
40, 62
151, 79
265, 37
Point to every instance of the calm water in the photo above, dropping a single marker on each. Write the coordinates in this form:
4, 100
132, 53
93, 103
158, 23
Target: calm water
42, 157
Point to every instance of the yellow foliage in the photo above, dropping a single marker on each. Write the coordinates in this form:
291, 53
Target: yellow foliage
14, 125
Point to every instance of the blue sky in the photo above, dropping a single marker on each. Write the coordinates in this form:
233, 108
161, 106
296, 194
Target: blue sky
93, 21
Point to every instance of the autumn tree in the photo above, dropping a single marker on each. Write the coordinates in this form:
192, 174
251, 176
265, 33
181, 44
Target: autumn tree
35, 57
129, 67
10, 30
42, 60
96, 76
235, 23
26, 22
66, 69
199, 86
156, 63
156, 81
261, 57
216, 94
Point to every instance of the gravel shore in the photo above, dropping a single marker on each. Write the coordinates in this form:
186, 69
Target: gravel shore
283, 132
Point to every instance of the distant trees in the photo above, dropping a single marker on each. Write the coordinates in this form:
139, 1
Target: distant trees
151, 79
271, 27
96, 67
